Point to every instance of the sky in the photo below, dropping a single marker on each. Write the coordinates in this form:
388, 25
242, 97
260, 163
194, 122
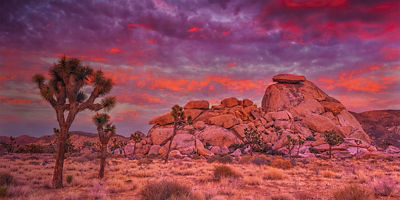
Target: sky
165, 52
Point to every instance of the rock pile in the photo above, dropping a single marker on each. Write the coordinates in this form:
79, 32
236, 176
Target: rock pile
292, 107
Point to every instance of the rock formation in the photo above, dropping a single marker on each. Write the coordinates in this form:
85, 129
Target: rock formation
293, 106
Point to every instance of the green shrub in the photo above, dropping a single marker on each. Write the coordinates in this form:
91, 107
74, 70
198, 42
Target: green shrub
224, 171
165, 190
353, 192
69, 179
281, 164
3, 191
6, 179
221, 159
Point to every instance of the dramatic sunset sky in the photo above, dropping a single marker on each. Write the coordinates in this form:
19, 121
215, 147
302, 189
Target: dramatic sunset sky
165, 52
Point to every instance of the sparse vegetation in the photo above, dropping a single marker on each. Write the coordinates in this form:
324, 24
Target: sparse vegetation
179, 121
221, 159
253, 138
166, 190
353, 192
281, 164
224, 171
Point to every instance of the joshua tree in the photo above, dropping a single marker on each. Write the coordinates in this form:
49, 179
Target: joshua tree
179, 122
10, 147
301, 143
106, 130
290, 145
253, 138
64, 92
332, 138
136, 137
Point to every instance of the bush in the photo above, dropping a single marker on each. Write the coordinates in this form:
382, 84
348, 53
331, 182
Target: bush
353, 192
261, 160
282, 197
145, 161
281, 164
221, 159
273, 174
3, 191
165, 190
69, 179
224, 171
6, 179
384, 186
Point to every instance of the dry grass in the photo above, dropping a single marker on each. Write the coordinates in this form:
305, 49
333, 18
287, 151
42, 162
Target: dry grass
166, 190
273, 174
353, 192
126, 179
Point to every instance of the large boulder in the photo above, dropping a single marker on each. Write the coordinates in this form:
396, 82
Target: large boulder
230, 102
218, 136
193, 113
159, 134
162, 120
202, 150
199, 104
226, 121
288, 78
309, 104
184, 143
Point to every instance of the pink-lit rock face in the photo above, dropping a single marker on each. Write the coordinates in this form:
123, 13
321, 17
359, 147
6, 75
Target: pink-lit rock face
288, 78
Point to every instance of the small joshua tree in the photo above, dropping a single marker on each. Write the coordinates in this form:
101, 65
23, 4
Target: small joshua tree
179, 123
290, 145
300, 143
66, 95
136, 137
105, 130
253, 138
358, 143
332, 138
10, 146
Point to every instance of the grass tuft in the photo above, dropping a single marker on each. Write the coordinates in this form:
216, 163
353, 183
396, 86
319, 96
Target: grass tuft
165, 190
353, 192
225, 172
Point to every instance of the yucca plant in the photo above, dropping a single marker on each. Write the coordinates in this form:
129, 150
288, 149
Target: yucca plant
64, 91
105, 130
332, 138
136, 137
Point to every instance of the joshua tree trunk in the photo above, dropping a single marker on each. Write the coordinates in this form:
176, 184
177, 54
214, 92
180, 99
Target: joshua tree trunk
134, 148
103, 155
170, 142
58, 169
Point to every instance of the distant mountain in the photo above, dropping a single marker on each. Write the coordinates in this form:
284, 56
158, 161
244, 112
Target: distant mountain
381, 125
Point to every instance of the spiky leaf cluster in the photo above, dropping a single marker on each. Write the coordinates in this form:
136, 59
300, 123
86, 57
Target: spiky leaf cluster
105, 128
254, 139
137, 136
332, 138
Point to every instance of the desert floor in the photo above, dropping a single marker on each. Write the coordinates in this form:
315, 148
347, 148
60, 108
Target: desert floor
125, 179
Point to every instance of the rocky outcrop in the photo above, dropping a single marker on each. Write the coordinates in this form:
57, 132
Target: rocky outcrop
291, 108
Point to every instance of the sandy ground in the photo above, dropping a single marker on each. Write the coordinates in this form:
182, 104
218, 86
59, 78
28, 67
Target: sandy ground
125, 179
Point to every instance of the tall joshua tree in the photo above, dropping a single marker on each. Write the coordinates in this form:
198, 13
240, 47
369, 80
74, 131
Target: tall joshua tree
136, 137
64, 92
179, 122
106, 130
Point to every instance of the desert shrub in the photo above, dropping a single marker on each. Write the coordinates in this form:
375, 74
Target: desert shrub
281, 164
314, 150
311, 138
69, 179
224, 171
353, 192
328, 174
282, 197
3, 191
165, 190
221, 159
273, 174
384, 186
145, 161
261, 160
6, 179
